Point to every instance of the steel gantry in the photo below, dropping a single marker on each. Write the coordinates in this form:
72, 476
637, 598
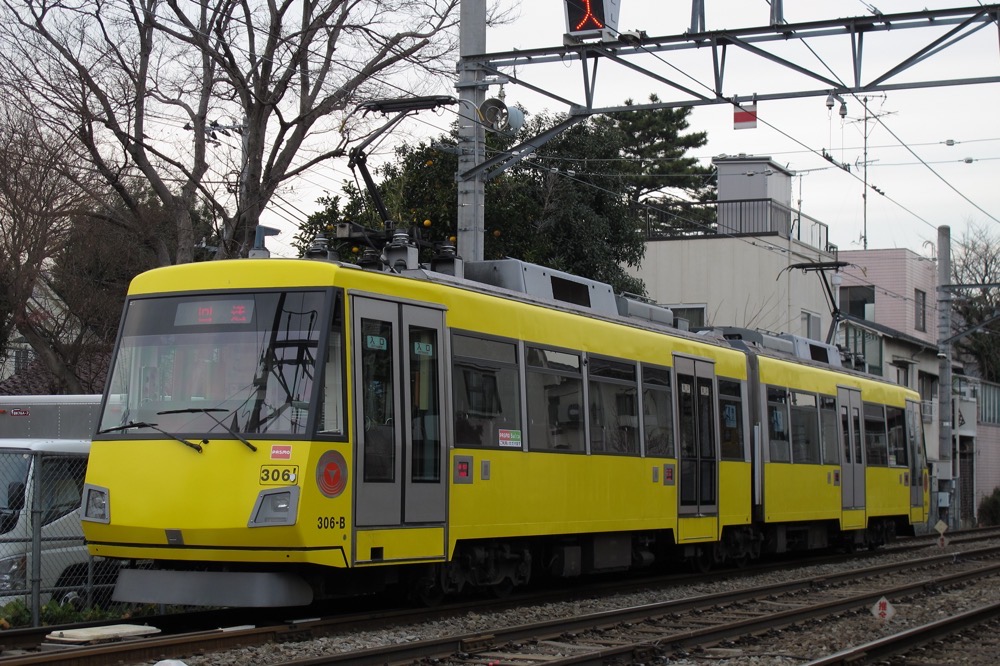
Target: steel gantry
709, 51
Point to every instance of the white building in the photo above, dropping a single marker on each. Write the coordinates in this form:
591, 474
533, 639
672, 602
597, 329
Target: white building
739, 272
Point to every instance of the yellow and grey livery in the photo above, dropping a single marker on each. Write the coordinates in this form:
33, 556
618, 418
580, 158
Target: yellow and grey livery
276, 431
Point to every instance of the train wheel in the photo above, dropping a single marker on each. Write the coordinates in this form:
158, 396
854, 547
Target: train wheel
502, 589
429, 595
426, 589
702, 560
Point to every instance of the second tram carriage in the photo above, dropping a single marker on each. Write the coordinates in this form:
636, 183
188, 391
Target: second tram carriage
275, 431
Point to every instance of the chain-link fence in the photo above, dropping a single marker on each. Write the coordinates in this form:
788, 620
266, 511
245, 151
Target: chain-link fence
42, 551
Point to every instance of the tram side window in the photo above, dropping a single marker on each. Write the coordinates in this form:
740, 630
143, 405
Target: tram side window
777, 424
657, 412
614, 409
828, 429
487, 393
896, 425
555, 401
331, 420
875, 435
731, 420
805, 428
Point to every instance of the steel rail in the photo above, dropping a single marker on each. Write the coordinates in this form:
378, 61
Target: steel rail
905, 641
186, 644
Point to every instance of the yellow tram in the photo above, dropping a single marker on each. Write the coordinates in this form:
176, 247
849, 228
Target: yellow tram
275, 431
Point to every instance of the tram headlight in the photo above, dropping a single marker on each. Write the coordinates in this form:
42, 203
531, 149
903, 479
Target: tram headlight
280, 502
95, 504
276, 506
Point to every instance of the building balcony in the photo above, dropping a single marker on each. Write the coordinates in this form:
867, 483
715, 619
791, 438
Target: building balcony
741, 217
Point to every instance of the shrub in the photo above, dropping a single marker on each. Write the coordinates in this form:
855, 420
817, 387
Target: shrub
18, 614
989, 509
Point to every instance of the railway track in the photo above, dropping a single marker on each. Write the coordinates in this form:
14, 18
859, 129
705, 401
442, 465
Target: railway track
744, 624
623, 634
938, 642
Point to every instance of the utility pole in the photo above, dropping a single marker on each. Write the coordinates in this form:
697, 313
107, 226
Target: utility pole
471, 132
864, 178
944, 371
864, 165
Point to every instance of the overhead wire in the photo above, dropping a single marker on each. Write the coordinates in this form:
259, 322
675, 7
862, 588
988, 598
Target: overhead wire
755, 242
878, 119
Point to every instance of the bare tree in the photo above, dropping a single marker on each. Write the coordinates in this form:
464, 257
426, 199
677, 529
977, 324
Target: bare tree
39, 192
218, 102
977, 262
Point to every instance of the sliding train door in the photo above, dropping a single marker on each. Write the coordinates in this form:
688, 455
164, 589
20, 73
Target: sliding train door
853, 445
400, 452
917, 459
699, 451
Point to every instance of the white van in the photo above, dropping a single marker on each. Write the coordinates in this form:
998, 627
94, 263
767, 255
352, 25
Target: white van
44, 444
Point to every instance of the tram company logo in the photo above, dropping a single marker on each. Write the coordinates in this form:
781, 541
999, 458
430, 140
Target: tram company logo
331, 474
281, 452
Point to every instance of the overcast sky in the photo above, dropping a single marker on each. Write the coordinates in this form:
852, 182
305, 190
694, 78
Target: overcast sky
957, 186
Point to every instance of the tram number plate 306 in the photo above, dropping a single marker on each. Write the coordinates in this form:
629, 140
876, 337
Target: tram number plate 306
278, 475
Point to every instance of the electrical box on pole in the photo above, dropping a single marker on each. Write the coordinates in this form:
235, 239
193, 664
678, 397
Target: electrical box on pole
588, 19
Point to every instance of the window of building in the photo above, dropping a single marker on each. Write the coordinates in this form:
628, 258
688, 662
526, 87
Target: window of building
858, 302
487, 392
22, 358
919, 310
927, 387
614, 407
811, 325
694, 315
902, 371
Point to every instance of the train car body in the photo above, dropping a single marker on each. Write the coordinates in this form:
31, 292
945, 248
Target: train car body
280, 430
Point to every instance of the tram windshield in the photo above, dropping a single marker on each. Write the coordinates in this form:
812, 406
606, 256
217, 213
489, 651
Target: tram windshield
240, 363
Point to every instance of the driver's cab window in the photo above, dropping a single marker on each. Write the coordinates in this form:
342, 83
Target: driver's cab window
331, 417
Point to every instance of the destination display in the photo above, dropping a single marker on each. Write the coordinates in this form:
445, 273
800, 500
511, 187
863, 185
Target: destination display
203, 313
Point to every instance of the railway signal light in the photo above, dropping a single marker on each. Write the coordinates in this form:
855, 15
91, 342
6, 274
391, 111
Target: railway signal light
587, 19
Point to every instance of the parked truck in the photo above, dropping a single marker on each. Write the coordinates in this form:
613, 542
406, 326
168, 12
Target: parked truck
44, 444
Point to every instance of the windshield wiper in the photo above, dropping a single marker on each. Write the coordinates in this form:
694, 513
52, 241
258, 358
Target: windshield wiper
208, 411
143, 424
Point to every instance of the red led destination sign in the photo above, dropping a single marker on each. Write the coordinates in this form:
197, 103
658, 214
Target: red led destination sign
205, 313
